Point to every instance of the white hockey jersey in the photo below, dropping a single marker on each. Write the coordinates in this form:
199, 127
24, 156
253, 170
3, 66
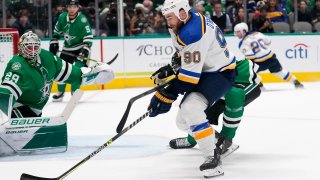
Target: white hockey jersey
254, 46
202, 47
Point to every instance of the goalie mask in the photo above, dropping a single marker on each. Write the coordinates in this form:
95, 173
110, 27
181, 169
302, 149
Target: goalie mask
29, 47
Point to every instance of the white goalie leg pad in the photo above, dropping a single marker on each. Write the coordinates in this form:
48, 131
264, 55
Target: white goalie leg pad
6, 101
37, 135
102, 73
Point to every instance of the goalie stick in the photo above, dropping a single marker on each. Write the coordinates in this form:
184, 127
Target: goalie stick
25, 176
88, 59
132, 100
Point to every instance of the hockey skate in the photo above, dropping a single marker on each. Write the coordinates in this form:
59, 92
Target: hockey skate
212, 165
58, 97
262, 87
181, 143
297, 84
227, 147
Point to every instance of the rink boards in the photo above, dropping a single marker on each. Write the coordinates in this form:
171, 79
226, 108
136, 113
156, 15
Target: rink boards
142, 55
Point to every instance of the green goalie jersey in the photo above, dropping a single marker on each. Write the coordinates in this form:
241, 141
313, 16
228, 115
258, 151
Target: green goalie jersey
247, 72
31, 86
76, 32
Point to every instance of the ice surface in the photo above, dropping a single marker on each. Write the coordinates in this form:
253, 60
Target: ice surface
278, 138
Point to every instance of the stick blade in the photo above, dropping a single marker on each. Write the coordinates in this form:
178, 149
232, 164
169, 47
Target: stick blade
122, 122
25, 176
113, 59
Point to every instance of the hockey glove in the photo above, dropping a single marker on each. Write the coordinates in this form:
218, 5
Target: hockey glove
176, 61
54, 46
161, 102
102, 73
84, 53
160, 76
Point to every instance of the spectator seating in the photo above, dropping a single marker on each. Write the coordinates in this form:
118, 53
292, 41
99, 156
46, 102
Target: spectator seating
302, 27
250, 16
317, 27
281, 27
291, 20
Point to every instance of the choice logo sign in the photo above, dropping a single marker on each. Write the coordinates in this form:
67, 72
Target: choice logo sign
152, 50
299, 51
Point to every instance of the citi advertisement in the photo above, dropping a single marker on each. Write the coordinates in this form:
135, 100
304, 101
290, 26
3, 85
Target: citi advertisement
299, 51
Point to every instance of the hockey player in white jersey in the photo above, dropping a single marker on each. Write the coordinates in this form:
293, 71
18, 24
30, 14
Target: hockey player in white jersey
255, 47
207, 73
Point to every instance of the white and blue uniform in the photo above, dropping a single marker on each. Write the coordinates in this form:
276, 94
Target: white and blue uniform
207, 73
202, 49
255, 47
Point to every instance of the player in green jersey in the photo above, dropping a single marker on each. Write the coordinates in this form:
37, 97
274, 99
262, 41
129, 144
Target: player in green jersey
244, 91
29, 76
77, 34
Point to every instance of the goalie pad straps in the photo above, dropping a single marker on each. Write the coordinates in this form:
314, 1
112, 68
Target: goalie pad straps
6, 101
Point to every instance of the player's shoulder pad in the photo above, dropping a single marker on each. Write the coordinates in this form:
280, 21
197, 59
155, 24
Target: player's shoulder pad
63, 16
45, 54
82, 18
17, 63
245, 37
193, 30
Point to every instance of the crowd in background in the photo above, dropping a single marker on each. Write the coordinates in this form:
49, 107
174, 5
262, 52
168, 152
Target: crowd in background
144, 16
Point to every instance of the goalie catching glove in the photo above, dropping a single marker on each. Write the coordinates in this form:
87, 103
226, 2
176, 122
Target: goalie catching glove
101, 73
160, 76
161, 102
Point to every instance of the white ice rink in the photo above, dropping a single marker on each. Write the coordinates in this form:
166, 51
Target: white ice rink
278, 137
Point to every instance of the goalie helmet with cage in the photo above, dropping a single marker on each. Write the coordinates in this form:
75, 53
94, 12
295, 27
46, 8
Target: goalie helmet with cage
175, 6
29, 47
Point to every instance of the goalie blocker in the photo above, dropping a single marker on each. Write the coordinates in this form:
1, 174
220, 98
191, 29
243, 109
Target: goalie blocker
34, 135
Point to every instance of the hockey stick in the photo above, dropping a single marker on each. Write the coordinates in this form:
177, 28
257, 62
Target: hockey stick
88, 59
25, 176
132, 100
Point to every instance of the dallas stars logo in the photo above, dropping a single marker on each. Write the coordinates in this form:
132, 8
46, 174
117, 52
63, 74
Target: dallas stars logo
68, 38
45, 91
47, 85
66, 35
